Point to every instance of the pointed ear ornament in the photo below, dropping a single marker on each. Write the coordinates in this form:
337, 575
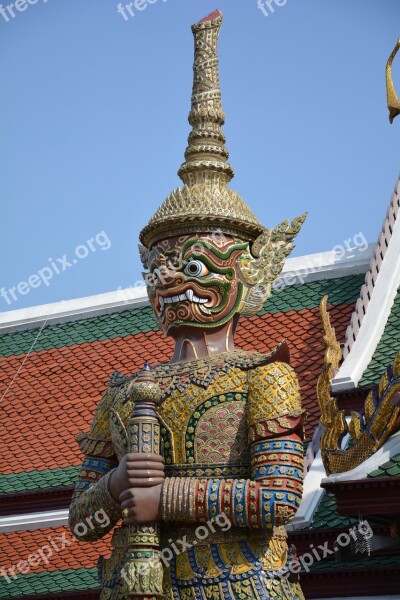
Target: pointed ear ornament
393, 101
144, 255
260, 266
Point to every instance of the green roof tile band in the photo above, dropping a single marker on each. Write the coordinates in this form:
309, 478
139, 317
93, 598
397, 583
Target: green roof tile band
35, 480
86, 579
327, 517
49, 582
343, 290
387, 347
324, 517
391, 468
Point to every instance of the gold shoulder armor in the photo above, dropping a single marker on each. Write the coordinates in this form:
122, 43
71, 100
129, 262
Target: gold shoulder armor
273, 392
98, 441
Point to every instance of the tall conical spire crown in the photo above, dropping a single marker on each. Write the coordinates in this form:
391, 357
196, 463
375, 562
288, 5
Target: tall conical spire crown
205, 203
206, 156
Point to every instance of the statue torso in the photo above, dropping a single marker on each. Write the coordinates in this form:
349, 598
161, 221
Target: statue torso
202, 415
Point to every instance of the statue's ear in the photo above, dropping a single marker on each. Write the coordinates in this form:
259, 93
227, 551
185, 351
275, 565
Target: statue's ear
263, 263
144, 255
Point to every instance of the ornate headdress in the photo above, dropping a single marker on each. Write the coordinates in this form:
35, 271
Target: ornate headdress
205, 203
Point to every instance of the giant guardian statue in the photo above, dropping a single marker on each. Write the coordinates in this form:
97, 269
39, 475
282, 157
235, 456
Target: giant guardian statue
204, 516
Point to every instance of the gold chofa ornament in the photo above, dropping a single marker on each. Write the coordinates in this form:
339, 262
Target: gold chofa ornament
369, 429
393, 101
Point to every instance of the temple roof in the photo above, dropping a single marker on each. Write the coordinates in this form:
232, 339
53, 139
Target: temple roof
65, 369
71, 569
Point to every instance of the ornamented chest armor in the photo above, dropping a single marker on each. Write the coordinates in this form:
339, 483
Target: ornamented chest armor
222, 421
204, 427
205, 410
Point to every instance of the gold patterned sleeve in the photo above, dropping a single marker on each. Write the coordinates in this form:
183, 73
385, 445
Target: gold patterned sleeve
272, 495
275, 430
93, 512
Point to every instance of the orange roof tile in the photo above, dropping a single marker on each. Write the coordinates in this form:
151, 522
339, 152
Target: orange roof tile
56, 392
67, 551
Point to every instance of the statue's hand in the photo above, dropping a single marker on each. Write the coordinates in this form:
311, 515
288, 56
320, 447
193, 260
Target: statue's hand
141, 505
136, 471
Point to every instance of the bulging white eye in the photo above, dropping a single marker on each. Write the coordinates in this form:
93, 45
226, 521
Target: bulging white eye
195, 268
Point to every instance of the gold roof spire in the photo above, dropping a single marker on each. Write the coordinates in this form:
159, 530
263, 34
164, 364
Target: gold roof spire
205, 203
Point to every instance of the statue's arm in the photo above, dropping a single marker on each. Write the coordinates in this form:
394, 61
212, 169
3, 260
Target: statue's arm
92, 505
272, 496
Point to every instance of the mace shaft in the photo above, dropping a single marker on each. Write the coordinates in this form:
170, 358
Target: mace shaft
144, 566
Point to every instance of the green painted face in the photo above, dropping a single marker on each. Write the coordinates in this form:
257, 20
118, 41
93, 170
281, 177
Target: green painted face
194, 281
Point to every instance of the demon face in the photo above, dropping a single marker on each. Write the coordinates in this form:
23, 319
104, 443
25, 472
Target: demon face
193, 280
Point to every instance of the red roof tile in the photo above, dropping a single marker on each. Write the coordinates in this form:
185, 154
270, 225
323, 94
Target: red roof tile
67, 551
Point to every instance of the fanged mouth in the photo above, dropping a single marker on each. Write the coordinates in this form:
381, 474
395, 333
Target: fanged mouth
187, 296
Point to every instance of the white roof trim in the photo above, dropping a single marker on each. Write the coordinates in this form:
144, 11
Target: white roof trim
73, 310
375, 319
390, 448
312, 494
32, 521
382, 245
325, 265
298, 270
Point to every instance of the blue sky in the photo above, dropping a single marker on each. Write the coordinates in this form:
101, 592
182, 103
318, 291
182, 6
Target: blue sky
94, 125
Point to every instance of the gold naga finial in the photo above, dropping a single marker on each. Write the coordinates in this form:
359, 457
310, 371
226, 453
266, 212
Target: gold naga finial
393, 101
